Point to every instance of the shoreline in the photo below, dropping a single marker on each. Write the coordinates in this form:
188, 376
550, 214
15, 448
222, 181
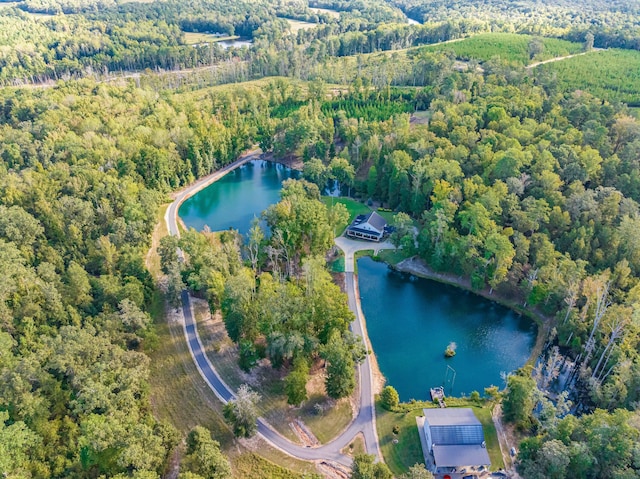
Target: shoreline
417, 267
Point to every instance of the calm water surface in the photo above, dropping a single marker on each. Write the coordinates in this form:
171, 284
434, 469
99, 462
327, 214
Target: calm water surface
411, 321
234, 200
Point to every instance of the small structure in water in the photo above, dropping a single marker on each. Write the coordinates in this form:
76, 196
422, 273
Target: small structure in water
451, 350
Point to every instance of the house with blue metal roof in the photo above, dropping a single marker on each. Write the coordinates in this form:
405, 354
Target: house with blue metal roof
453, 441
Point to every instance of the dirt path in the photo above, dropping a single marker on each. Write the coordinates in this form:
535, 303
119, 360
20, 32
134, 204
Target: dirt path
496, 415
557, 59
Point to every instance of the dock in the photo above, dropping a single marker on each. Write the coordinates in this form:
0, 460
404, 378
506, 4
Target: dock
437, 394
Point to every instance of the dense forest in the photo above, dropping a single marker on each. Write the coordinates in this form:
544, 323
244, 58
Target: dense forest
521, 182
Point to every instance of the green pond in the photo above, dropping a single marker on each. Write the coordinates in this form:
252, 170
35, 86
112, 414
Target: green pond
235, 199
411, 321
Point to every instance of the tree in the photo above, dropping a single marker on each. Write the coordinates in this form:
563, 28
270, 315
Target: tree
315, 171
536, 47
588, 42
343, 172
341, 380
418, 471
18, 445
518, 401
204, 457
175, 285
256, 237
390, 398
364, 467
132, 317
296, 382
168, 252
403, 225
242, 412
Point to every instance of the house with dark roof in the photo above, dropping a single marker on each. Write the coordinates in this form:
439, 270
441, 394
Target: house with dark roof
453, 441
368, 227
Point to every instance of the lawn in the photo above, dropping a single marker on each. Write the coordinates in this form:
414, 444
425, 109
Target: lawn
354, 207
513, 48
392, 256
407, 451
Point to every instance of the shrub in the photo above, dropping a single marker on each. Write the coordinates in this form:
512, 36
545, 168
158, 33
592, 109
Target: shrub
390, 398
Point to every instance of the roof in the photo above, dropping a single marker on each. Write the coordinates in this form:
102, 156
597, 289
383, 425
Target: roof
453, 416
375, 220
364, 231
453, 426
454, 456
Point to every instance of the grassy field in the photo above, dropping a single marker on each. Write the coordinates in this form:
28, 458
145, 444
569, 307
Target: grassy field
194, 38
296, 25
252, 466
178, 394
511, 47
269, 383
392, 256
407, 451
326, 11
612, 75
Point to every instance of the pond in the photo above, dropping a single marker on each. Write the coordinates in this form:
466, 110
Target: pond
411, 321
236, 43
234, 200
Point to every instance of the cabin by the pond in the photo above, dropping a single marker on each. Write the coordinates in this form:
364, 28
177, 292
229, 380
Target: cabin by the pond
453, 441
371, 227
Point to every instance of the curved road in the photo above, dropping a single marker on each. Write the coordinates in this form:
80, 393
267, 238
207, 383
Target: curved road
364, 422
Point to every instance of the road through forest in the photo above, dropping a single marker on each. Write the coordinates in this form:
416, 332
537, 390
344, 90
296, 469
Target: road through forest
364, 422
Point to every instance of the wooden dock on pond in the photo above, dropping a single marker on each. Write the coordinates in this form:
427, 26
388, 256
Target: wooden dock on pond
437, 394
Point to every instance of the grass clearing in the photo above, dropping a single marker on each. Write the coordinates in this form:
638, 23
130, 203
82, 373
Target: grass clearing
356, 447
354, 207
612, 75
325, 11
152, 259
252, 466
178, 394
337, 266
407, 451
270, 384
387, 215
512, 47
194, 38
392, 256
42, 16
296, 25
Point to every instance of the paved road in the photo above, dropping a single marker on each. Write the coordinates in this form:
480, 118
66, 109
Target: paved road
364, 421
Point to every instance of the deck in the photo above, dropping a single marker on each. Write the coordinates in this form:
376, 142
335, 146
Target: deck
437, 394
